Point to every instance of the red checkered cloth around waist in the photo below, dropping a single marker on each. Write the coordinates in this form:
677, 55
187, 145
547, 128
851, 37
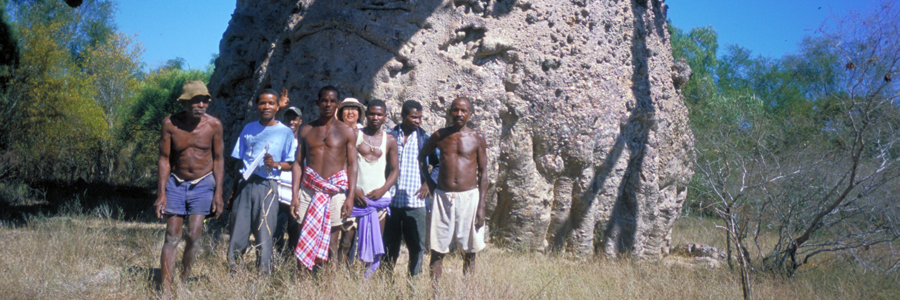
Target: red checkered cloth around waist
316, 232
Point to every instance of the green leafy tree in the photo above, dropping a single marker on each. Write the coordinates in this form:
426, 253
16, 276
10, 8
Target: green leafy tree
61, 101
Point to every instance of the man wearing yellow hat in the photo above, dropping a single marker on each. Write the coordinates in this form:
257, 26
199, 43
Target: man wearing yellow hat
190, 150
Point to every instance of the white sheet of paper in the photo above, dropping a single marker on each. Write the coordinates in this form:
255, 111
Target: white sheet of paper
255, 163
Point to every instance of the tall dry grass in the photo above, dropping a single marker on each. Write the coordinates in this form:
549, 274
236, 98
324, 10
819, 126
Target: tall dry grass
93, 256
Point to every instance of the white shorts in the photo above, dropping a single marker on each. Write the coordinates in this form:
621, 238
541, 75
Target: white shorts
453, 216
305, 196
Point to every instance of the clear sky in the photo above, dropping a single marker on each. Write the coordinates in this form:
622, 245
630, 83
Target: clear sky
770, 28
191, 29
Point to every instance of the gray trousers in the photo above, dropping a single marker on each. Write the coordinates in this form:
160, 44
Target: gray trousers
255, 211
409, 224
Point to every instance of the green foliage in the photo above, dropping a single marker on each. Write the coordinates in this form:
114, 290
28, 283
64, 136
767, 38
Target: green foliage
61, 101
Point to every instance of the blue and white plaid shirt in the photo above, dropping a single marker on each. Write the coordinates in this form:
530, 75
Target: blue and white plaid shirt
410, 179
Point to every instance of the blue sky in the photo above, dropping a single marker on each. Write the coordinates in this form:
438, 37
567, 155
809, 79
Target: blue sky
191, 29
770, 28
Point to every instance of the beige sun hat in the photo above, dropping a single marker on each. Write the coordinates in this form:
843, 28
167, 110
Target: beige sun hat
351, 102
192, 89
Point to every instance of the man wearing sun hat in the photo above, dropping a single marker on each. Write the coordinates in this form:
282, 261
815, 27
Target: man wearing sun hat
190, 150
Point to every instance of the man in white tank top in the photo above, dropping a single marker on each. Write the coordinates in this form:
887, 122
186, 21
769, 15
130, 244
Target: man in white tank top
378, 170
377, 156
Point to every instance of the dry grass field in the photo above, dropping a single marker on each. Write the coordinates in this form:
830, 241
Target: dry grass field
93, 256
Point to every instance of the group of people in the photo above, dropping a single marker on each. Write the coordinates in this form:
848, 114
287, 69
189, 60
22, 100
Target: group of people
341, 190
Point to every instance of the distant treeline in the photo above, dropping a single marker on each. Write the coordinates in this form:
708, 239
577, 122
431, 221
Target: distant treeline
76, 103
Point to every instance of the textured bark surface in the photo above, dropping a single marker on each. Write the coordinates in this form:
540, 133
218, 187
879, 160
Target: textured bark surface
588, 139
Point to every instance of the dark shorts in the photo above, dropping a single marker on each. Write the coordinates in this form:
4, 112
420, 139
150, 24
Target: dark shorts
184, 198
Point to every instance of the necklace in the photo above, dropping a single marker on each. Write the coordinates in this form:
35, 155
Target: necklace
327, 131
371, 150
366, 141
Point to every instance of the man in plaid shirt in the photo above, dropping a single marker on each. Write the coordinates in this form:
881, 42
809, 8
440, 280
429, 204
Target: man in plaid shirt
407, 219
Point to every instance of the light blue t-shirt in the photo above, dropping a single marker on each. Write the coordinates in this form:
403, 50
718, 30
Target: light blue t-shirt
253, 140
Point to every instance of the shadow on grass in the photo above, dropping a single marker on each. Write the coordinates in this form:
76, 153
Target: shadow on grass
120, 202
152, 275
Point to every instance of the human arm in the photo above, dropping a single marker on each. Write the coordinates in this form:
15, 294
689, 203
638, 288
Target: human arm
218, 167
165, 148
482, 180
393, 165
428, 185
352, 170
297, 171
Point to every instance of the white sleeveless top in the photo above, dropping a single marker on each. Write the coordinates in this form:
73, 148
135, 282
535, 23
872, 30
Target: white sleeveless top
370, 175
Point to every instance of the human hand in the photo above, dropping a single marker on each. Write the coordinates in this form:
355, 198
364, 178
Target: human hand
359, 199
217, 206
283, 101
347, 208
423, 191
230, 202
159, 207
295, 207
376, 193
270, 162
479, 218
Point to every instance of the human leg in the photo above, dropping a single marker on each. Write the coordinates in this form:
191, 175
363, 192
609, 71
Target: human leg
334, 244
192, 247
167, 257
239, 225
334, 205
436, 265
265, 214
198, 203
293, 232
392, 235
305, 196
468, 263
346, 243
414, 235
281, 222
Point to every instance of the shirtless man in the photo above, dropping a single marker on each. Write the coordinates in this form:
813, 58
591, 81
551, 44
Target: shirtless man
191, 142
320, 187
458, 209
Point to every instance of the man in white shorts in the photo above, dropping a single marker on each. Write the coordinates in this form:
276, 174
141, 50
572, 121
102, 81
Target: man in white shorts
458, 210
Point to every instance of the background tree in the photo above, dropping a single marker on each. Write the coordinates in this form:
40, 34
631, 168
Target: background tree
62, 99
805, 145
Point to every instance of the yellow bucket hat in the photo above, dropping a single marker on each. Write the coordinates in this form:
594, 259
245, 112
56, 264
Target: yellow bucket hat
192, 89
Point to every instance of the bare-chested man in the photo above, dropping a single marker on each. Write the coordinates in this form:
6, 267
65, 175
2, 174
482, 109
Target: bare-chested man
190, 150
321, 185
458, 210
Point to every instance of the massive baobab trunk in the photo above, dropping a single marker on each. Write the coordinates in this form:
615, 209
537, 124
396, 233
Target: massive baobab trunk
588, 139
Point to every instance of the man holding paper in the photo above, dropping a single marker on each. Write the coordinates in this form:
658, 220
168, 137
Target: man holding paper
266, 148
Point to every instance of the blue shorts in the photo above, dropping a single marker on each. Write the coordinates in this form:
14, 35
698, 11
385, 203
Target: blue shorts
184, 198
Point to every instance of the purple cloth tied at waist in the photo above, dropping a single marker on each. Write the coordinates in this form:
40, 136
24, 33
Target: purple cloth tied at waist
369, 246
